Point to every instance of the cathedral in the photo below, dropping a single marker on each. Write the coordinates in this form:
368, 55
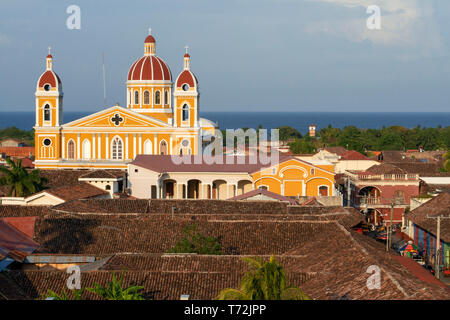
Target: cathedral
161, 117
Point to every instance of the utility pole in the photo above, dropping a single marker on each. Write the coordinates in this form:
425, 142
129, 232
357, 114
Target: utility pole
437, 257
389, 229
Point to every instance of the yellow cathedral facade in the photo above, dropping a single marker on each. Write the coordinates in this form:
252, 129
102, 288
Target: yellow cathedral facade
161, 117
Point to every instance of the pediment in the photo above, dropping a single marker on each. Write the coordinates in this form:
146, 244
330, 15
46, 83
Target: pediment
116, 117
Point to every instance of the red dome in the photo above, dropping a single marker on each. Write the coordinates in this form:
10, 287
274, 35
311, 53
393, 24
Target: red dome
186, 77
49, 56
49, 77
150, 68
150, 39
186, 55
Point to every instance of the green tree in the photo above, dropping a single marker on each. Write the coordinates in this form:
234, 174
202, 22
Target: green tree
75, 295
264, 281
194, 242
286, 133
304, 145
446, 164
22, 182
114, 290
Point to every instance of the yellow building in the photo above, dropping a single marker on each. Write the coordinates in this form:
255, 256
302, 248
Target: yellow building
157, 176
161, 118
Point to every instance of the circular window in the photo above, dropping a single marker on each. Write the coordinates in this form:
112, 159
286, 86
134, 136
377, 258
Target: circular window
47, 87
47, 142
185, 143
185, 87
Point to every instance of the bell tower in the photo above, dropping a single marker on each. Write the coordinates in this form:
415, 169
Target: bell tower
49, 97
49, 106
186, 96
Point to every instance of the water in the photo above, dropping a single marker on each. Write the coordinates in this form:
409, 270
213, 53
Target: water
269, 120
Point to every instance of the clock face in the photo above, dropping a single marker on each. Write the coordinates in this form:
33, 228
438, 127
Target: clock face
47, 87
47, 142
185, 87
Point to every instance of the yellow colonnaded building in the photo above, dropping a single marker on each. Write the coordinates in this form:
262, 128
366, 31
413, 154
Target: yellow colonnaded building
161, 118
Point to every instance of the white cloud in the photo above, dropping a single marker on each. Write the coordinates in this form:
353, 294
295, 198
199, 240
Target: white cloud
404, 23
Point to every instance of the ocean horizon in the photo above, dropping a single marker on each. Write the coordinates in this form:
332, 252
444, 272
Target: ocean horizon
299, 120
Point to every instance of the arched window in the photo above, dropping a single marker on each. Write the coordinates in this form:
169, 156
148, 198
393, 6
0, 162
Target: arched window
86, 149
148, 147
146, 97
158, 97
108, 187
166, 97
323, 191
185, 149
136, 97
71, 150
163, 147
47, 113
185, 111
399, 196
117, 149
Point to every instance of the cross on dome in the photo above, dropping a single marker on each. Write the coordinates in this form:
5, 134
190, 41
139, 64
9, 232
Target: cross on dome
49, 50
187, 47
149, 31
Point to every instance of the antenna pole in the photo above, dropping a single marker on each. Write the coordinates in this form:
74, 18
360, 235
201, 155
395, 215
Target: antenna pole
104, 80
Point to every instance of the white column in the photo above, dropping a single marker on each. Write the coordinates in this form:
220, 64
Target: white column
99, 148
140, 97
126, 147
170, 145
174, 108
140, 143
78, 146
63, 146
155, 145
93, 146
134, 146
37, 112
152, 98
107, 146
128, 97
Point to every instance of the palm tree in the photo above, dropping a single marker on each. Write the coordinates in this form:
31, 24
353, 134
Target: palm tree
75, 295
22, 182
115, 291
264, 281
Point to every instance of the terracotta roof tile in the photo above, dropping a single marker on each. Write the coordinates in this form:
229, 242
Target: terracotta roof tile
81, 190
439, 205
263, 192
17, 152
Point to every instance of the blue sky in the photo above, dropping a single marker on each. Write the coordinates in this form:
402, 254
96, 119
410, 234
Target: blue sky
265, 55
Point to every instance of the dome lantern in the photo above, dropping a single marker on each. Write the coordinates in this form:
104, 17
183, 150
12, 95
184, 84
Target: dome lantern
187, 59
149, 44
49, 63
